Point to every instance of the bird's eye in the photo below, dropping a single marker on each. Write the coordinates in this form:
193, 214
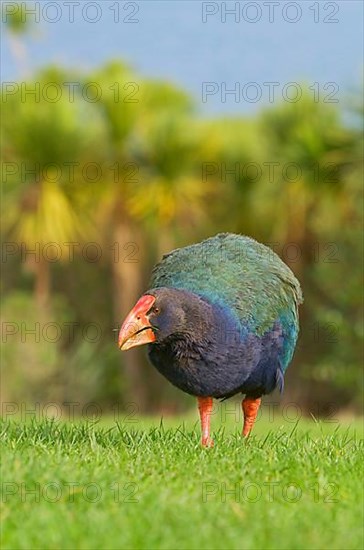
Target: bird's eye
156, 310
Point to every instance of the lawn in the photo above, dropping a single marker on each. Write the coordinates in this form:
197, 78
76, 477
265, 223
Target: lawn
147, 484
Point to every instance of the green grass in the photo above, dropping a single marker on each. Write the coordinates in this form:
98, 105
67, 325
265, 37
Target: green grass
145, 485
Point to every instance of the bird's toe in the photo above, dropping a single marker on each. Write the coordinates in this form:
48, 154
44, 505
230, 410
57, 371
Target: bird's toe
207, 442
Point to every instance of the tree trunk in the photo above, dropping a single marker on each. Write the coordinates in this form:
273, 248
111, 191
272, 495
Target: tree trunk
126, 266
40, 268
165, 242
42, 284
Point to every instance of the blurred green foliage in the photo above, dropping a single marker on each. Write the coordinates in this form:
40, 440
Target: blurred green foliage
138, 172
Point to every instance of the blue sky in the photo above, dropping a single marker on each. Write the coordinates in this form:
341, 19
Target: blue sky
193, 42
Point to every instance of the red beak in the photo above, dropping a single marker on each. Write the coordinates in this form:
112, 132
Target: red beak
136, 330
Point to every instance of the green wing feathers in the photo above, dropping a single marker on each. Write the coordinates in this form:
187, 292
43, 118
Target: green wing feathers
237, 272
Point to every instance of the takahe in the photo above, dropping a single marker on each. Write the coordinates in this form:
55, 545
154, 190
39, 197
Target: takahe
220, 318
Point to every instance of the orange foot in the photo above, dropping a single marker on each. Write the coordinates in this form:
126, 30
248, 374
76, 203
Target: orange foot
250, 409
207, 442
205, 405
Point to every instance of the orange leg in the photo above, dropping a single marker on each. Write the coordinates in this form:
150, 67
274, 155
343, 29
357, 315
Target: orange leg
205, 405
250, 409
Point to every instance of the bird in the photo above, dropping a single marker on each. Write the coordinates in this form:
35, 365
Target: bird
220, 318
